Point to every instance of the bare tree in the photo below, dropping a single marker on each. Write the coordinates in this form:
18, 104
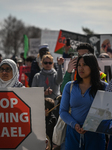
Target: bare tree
87, 31
11, 35
33, 32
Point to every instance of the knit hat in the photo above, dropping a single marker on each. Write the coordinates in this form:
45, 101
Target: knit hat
43, 49
44, 46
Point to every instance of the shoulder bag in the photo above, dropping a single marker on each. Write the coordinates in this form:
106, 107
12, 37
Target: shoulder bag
59, 131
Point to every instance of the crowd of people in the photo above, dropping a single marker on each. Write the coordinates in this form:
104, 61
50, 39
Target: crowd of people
87, 79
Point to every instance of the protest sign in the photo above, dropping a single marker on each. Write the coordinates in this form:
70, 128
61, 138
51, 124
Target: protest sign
66, 62
75, 39
50, 37
24, 72
34, 44
102, 43
105, 65
100, 114
22, 119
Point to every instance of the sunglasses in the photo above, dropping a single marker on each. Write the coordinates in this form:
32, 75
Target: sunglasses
8, 69
50, 63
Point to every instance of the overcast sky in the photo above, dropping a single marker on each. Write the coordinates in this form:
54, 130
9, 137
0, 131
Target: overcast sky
69, 15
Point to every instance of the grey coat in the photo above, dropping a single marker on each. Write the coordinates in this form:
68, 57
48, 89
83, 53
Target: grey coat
50, 79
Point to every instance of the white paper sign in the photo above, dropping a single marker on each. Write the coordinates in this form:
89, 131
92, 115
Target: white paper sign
34, 46
100, 113
22, 118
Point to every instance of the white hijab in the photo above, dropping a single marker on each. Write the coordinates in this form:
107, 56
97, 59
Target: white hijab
11, 82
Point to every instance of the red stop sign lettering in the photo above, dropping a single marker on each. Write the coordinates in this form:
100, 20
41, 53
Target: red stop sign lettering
15, 120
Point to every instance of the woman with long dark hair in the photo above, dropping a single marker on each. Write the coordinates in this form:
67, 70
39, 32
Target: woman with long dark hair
79, 100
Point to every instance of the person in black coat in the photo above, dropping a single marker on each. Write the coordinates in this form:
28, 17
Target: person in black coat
50, 118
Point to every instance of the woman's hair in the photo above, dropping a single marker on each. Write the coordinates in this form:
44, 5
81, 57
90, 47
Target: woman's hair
91, 61
49, 103
87, 46
47, 56
105, 42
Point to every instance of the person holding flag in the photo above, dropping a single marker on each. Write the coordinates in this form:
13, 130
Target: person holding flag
82, 49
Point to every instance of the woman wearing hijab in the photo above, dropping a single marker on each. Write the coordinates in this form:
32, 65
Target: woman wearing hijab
9, 74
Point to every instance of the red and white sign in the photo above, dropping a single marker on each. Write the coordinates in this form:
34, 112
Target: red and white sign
24, 72
15, 121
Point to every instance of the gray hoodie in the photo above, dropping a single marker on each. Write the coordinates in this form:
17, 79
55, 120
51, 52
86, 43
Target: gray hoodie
50, 79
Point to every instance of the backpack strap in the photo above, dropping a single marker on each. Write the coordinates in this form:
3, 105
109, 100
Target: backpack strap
71, 86
70, 93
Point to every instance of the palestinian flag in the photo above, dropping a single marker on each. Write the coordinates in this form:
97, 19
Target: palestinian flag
60, 43
75, 39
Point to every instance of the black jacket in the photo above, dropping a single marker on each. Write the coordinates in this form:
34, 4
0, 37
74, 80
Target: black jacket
50, 123
34, 69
